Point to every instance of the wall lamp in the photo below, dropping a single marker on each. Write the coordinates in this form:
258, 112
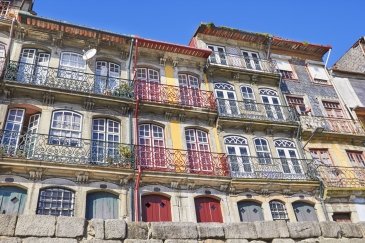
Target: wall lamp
317, 130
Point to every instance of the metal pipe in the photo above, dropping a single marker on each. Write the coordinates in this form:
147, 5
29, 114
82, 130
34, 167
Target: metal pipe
328, 56
10, 44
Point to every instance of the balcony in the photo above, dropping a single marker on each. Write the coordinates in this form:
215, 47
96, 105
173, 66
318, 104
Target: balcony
175, 95
256, 111
331, 124
241, 62
342, 177
67, 79
270, 168
64, 150
181, 161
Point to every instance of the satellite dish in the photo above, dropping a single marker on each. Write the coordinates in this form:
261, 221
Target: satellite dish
89, 54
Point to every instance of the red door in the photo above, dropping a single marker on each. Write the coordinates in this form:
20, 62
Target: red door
208, 210
156, 208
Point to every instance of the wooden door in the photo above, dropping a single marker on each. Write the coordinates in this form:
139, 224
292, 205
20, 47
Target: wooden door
12, 200
102, 205
250, 211
156, 208
304, 212
208, 210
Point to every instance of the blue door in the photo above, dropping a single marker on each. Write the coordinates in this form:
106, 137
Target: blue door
12, 200
102, 205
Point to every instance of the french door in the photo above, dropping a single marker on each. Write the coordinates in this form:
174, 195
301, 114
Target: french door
227, 102
289, 161
218, 55
31, 135
149, 87
189, 90
252, 60
199, 156
239, 158
151, 146
12, 130
272, 107
106, 78
33, 66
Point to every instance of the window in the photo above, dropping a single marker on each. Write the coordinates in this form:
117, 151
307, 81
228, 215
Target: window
262, 151
148, 75
148, 87
252, 60
356, 158
189, 89
106, 138
333, 109
56, 201
218, 55
285, 69
248, 98
107, 77
288, 156
318, 73
272, 105
152, 146
65, 128
4, 7
341, 217
238, 154
278, 210
197, 144
72, 60
33, 66
227, 102
321, 155
2, 51
298, 104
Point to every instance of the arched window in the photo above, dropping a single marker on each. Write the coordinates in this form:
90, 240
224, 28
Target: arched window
262, 151
227, 101
102, 205
107, 77
272, 104
12, 200
208, 210
151, 146
56, 201
250, 211
278, 210
148, 75
106, 140
65, 128
288, 156
238, 155
199, 155
304, 212
155, 208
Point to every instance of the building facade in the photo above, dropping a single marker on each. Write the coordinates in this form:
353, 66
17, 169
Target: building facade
222, 130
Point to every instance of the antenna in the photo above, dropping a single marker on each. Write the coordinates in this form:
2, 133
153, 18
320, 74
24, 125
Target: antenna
89, 54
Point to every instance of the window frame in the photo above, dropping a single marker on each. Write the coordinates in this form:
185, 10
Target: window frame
152, 138
333, 109
298, 105
2, 12
196, 141
319, 155
148, 70
68, 66
255, 63
188, 81
216, 53
280, 212
54, 198
318, 80
356, 158
263, 159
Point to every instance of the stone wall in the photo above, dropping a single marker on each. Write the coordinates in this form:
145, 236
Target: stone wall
44, 229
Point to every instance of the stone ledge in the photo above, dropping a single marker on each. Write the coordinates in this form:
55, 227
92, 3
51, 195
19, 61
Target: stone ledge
169, 230
35, 225
7, 224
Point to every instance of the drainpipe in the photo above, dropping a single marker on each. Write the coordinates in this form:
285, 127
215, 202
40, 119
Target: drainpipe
268, 53
328, 57
9, 46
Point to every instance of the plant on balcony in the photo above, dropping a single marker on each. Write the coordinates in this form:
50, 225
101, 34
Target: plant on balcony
124, 89
2, 152
126, 154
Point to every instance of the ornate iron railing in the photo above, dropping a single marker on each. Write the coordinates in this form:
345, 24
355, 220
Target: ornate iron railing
256, 111
270, 168
68, 79
181, 161
175, 95
331, 124
243, 62
342, 177
66, 150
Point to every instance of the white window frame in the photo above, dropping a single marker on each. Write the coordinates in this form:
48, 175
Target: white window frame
220, 57
261, 151
288, 147
278, 213
318, 73
249, 60
57, 134
79, 61
243, 161
4, 11
148, 75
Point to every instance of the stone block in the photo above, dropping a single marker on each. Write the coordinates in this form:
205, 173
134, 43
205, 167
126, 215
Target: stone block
330, 229
48, 240
210, 231
181, 241
343, 240
271, 229
10, 240
303, 230
350, 230
283, 241
7, 224
100, 241
236, 241
213, 241
35, 225
171, 230
115, 229
257, 241
240, 231
137, 230
70, 227
362, 228
311, 240
142, 241
95, 229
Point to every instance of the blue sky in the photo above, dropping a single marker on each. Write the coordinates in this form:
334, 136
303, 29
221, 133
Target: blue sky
338, 23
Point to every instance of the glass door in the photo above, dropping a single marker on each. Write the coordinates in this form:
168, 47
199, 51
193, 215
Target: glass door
12, 129
218, 56
227, 102
31, 136
289, 161
239, 158
272, 107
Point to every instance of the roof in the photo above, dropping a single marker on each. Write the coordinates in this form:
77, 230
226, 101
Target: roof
277, 42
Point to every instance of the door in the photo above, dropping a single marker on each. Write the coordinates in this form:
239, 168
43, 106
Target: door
227, 102
239, 158
272, 107
12, 200
155, 208
106, 78
41, 68
208, 210
102, 205
250, 211
198, 151
289, 161
31, 135
189, 90
252, 60
218, 55
304, 212
12, 129
152, 147
26, 65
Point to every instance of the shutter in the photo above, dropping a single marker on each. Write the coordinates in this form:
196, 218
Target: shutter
12, 200
283, 65
250, 212
318, 72
102, 205
304, 212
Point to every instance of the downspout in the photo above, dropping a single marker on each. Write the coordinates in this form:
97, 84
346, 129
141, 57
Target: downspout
9, 46
328, 57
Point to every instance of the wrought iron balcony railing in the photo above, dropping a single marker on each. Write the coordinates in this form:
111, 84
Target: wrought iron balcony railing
243, 62
256, 111
270, 168
65, 150
342, 177
331, 124
175, 95
181, 161
67, 79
